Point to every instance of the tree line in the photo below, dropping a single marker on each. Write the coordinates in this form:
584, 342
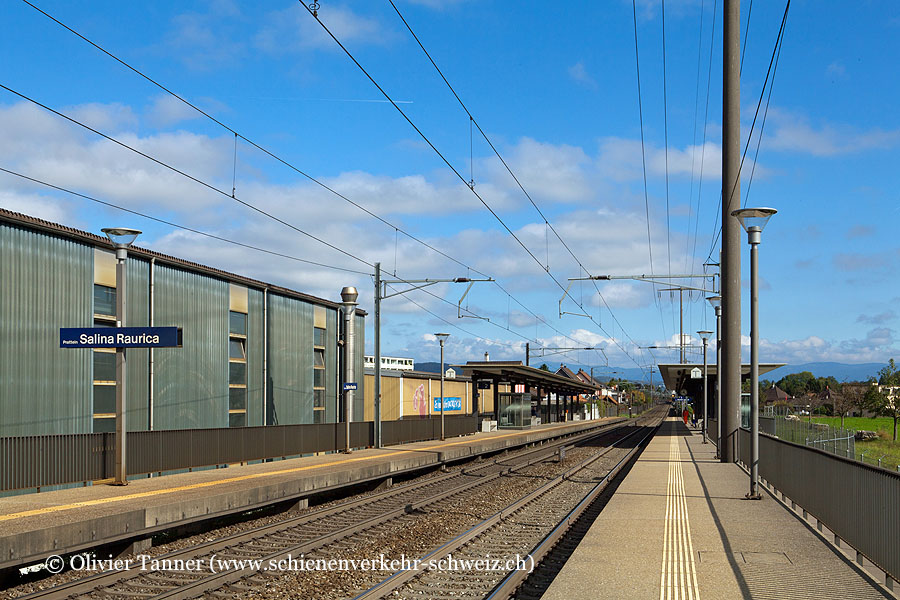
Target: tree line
879, 394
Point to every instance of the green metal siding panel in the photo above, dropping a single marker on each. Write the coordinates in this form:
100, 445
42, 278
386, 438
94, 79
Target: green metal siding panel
331, 365
45, 283
137, 377
359, 351
255, 339
290, 360
191, 383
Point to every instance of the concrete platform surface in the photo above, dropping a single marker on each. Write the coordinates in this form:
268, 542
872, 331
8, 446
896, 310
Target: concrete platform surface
33, 526
679, 527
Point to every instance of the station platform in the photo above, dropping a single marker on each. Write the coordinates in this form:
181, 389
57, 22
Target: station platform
679, 527
34, 526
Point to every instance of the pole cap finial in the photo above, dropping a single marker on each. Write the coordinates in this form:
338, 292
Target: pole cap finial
349, 295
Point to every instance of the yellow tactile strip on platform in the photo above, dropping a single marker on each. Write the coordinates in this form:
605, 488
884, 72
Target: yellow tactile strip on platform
678, 580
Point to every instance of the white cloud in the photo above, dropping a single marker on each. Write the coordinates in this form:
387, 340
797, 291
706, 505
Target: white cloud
578, 73
794, 133
167, 110
32, 204
204, 41
438, 4
294, 30
877, 344
111, 118
620, 160
549, 172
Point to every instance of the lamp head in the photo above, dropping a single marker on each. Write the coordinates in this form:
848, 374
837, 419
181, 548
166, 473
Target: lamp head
753, 219
349, 295
715, 301
441, 337
704, 334
121, 237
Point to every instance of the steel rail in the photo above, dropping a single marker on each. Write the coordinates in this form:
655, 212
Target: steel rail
509, 585
389, 585
93, 583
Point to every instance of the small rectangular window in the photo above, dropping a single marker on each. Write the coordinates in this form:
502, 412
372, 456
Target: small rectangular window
237, 349
237, 323
104, 399
319, 358
318, 378
237, 398
318, 398
104, 366
318, 416
237, 419
104, 300
318, 336
237, 373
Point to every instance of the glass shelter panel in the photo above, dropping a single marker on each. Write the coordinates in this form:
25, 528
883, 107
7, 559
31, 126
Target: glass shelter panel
514, 410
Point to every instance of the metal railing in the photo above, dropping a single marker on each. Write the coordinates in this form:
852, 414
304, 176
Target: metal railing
836, 440
29, 462
856, 501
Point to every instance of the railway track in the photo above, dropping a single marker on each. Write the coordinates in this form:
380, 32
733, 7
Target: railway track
530, 527
366, 521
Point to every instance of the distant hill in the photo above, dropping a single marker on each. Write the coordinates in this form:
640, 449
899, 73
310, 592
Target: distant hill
840, 371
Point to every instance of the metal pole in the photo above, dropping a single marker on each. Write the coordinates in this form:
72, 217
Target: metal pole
681, 324
731, 246
442, 389
718, 382
705, 395
377, 326
754, 235
527, 354
121, 467
348, 295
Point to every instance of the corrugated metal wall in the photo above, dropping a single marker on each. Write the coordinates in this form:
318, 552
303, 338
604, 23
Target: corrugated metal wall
290, 360
255, 346
331, 365
47, 284
359, 398
137, 376
191, 385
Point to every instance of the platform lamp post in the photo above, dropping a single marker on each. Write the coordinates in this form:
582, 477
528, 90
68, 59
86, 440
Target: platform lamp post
348, 298
441, 338
121, 238
705, 336
716, 303
753, 220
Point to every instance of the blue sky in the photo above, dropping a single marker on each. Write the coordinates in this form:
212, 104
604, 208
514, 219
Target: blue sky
554, 88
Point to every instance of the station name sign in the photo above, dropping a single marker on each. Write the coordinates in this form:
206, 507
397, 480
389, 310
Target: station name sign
450, 403
120, 337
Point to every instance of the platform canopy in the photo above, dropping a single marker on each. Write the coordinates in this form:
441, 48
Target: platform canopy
514, 372
678, 376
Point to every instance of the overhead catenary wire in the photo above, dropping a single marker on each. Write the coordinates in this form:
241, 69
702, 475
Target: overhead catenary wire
769, 74
244, 245
637, 61
288, 164
179, 226
184, 174
214, 188
547, 223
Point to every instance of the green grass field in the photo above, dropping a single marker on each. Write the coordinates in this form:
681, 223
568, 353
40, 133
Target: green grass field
885, 424
875, 449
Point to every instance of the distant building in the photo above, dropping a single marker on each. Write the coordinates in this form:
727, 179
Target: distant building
391, 363
776, 395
